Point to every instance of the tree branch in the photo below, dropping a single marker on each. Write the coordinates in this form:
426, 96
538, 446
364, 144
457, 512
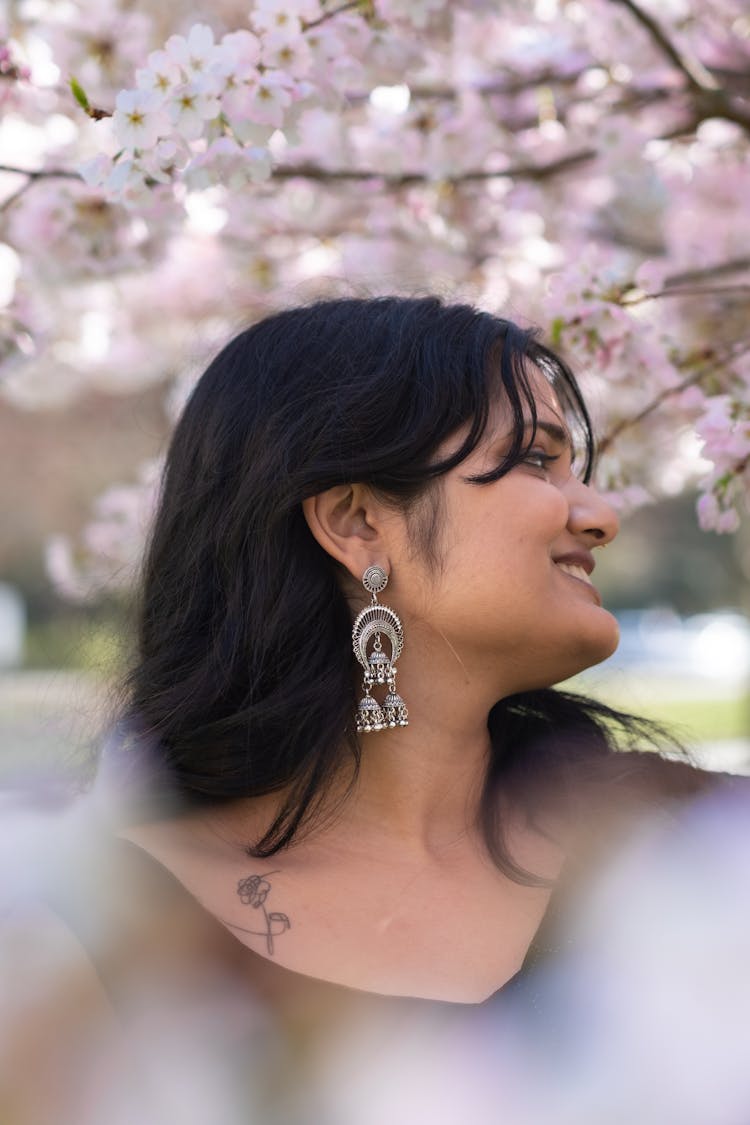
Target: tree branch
710, 99
14, 195
407, 179
691, 291
714, 360
720, 269
31, 178
698, 78
330, 15
41, 173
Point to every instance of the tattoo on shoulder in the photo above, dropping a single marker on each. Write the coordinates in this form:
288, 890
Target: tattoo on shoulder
253, 891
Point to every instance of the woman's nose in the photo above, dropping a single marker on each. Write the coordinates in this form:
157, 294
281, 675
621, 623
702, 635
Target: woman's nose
590, 514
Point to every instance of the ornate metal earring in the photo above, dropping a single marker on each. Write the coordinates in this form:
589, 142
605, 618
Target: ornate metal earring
378, 621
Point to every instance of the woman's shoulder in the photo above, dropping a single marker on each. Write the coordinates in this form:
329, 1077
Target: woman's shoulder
107, 966
658, 778
68, 878
639, 787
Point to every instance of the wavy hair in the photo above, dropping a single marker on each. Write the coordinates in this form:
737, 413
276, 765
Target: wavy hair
242, 680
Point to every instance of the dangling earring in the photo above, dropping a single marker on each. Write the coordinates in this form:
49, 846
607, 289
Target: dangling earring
378, 621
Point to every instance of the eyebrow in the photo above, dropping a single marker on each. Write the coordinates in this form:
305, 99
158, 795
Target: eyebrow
556, 432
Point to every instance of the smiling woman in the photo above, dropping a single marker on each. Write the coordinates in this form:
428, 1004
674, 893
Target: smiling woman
326, 453
397, 476
370, 564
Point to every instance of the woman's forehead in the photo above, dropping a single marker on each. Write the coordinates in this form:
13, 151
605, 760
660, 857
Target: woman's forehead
546, 403
501, 424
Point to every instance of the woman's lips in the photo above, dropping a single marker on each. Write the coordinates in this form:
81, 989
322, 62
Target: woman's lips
580, 575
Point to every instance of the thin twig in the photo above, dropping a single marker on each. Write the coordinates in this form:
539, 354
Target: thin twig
693, 291
720, 269
31, 178
6, 203
330, 15
506, 87
690, 380
407, 179
41, 173
694, 71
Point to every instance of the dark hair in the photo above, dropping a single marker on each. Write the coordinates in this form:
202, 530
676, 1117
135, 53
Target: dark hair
243, 677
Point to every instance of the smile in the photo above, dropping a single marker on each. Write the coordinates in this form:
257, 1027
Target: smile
580, 575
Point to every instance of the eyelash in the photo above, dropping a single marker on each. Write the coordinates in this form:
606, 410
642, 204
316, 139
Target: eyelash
535, 458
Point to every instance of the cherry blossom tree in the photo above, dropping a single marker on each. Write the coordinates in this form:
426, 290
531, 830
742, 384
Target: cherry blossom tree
169, 173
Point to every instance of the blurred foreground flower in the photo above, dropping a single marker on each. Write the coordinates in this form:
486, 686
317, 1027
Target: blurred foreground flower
124, 1001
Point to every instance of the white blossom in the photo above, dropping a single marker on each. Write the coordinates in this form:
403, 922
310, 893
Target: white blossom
285, 17
196, 53
189, 108
161, 74
266, 99
290, 55
138, 120
230, 163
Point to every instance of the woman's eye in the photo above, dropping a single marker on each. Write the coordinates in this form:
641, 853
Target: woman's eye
539, 459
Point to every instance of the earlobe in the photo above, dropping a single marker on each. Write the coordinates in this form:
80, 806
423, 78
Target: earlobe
342, 520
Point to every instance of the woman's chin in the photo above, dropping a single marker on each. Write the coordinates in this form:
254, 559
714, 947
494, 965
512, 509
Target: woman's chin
591, 649
598, 647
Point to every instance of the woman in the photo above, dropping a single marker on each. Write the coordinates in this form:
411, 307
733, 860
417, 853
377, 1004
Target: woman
431, 462
349, 781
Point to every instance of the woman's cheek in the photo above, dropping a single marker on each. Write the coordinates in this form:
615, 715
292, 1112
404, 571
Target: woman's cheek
546, 506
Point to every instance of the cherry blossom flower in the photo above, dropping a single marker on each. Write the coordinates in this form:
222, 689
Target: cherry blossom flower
713, 516
139, 120
189, 108
240, 55
235, 165
161, 74
284, 17
284, 54
266, 99
196, 53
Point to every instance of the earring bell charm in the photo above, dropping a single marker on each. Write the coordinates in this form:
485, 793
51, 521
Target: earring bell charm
373, 623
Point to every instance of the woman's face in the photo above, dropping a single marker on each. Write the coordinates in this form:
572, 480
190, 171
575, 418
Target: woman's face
513, 586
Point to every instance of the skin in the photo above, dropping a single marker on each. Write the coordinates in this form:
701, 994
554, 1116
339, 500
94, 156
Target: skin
396, 893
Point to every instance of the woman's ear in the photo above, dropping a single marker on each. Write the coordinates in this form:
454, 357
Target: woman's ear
346, 521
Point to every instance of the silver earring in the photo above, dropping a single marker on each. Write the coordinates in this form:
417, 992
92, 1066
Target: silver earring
378, 621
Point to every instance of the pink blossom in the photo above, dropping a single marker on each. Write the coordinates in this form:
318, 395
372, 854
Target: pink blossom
139, 119
161, 74
284, 54
196, 53
265, 101
713, 517
240, 55
234, 164
652, 274
284, 17
189, 108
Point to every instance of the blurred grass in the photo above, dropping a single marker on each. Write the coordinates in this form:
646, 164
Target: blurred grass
97, 644
706, 720
696, 710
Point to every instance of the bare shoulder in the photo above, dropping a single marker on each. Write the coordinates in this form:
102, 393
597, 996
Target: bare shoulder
639, 785
671, 778
53, 1005
44, 958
